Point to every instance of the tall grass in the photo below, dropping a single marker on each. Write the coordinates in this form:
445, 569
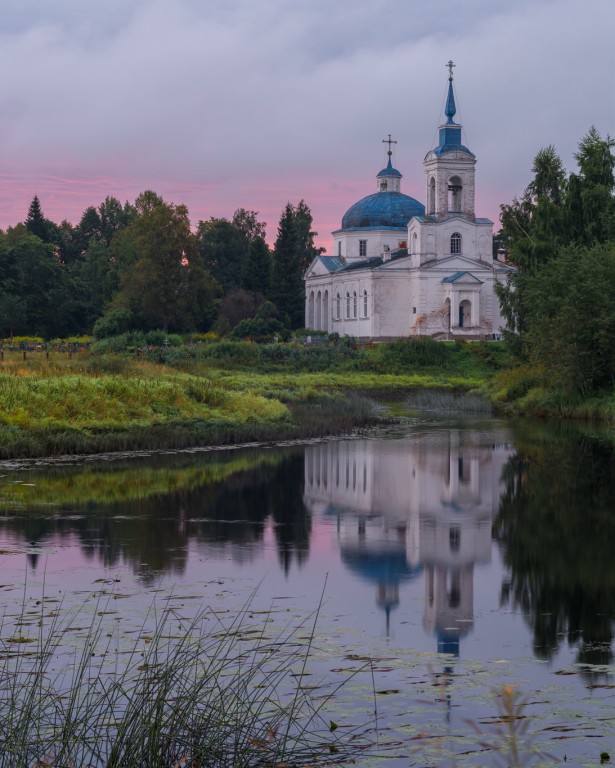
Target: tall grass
453, 402
218, 694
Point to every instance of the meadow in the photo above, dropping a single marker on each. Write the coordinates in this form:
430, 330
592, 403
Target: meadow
118, 397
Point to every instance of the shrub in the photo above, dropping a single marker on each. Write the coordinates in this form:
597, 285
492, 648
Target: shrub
115, 322
232, 352
419, 352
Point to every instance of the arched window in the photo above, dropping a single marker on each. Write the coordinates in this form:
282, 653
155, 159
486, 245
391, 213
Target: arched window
455, 242
354, 304
311, 310
347, 304
455, 189
338, 307
364, 303
432, 196
339, 248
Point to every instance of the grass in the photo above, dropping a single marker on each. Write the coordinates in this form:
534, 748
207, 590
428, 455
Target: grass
232, 392
217, 694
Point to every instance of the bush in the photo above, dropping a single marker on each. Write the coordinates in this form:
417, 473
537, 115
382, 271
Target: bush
259, 329
232, 352
125, 342
115, 322
419, 352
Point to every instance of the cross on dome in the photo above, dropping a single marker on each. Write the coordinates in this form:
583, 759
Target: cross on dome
450, 66
389, 141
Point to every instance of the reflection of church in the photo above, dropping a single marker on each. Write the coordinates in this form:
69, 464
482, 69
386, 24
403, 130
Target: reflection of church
422, 504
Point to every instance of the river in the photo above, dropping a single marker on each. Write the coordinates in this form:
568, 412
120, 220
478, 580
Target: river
455, 564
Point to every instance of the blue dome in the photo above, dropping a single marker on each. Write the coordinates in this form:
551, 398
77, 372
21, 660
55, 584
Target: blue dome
389, 171
382, 210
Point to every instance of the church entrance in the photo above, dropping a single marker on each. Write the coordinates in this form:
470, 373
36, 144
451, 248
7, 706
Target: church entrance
465, 314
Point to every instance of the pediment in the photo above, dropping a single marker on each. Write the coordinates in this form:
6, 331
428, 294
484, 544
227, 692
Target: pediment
458, 263
324, 265
462, 278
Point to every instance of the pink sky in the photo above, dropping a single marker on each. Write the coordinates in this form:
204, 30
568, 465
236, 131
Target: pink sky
220, 105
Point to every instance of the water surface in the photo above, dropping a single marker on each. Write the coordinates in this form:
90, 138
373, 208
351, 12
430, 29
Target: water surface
456, 555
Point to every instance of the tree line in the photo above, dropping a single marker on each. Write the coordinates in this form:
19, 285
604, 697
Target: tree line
141, 266
560, 304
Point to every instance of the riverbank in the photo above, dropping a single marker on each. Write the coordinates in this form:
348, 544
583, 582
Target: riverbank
90, 402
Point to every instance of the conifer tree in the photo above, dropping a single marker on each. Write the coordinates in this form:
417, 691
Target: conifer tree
256, 269
287, 291
36, 222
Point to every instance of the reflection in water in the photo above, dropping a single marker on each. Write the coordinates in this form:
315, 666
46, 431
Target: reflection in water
556, 526
416, 510
424, 503
146, 514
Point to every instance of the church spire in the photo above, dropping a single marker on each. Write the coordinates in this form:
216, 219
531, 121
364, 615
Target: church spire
451, 109
450, 131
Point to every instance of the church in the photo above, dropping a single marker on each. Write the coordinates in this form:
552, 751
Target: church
401, 268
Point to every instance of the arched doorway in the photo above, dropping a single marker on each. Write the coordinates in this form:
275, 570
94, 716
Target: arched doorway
465, 314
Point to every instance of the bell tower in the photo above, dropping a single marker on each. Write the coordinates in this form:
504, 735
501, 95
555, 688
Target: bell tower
449, 167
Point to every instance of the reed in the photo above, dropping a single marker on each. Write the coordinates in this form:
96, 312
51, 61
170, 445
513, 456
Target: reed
218, 694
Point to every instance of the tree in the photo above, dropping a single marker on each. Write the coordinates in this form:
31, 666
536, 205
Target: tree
590, 205
555, 212
247, 223
223, 248
256, 269
570, 318
533, 225
235, 306
168, 283
114, 217
287, 291
42, 285
36, 223
306, 250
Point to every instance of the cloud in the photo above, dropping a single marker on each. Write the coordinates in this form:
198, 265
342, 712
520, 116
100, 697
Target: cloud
241, 104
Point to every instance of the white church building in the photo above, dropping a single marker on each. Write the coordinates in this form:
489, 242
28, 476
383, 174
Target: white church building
400, 268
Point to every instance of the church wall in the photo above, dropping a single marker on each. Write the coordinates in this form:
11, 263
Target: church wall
392, 304
376, 240
347, 324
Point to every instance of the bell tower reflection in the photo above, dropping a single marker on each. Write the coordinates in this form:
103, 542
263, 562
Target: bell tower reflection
423, 504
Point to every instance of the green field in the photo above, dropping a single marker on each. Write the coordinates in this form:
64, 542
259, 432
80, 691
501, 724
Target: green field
90, 401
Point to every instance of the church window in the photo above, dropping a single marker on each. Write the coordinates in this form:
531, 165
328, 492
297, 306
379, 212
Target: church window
454, 589
362, 247
364, 303
432, 196
414, 310
454, 194
347, 304
455, 242
338, 307
339, 248
454, 538
354, 305
383, 185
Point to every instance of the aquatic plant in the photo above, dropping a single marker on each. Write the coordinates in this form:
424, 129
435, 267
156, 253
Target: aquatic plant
218, 693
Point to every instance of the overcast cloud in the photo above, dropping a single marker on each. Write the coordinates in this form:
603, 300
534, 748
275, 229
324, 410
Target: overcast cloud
220, 104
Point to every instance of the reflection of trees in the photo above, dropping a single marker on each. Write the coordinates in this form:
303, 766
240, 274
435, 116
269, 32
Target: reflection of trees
225, 500
293, 523
556, 527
